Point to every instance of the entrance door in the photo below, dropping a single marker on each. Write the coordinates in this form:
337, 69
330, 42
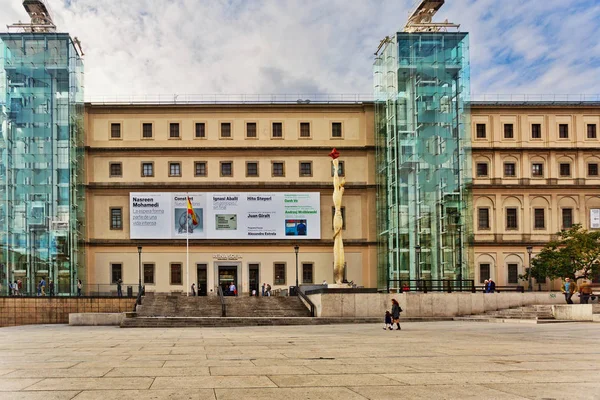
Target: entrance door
227, 276
253, 278
202, 279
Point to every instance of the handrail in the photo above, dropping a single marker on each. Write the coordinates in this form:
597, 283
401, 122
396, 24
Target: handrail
306, 299
222, 298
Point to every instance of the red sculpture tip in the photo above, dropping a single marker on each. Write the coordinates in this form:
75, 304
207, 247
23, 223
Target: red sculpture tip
334, 153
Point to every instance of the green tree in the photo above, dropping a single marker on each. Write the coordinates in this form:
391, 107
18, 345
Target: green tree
575, 254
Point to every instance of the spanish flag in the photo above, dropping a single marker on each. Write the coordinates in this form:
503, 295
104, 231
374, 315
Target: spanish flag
190, 211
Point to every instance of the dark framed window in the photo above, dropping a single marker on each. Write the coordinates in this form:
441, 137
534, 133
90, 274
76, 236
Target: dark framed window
592, 169
252, 168
176, 274
116, 170
563, 131
484, 272
539, 218
278, 168
509, 132
510, 169
116, 218
279, 274
225, 129
511, 218
305, 129
343, 211
483, 218
567, 218
307, 273
513, 273
116, 272
480, 131
536, 131
115, 130
174, 130
200, 130
591, 131
277, 130
226, 168
336, 129
482, 169
251, 129
147, 169
200, 168
305, 168
565, 169
537, 170
147, 130
174, 169
340, 168
148, 274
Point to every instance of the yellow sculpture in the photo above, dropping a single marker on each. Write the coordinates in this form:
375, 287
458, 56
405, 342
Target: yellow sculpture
338, 222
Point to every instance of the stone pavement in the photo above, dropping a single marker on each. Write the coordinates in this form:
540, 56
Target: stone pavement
437, 360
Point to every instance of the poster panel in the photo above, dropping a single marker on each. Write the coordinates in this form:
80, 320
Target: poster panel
595, 218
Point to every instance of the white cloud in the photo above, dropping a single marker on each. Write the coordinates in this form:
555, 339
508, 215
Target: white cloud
310, 46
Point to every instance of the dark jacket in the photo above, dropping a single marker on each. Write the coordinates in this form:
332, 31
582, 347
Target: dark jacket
491, 287
395, 311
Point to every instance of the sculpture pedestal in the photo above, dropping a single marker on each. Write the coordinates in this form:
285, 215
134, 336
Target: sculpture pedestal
339, 286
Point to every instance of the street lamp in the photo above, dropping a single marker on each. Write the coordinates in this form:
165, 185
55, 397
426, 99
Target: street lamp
529, 251
296, 248
418, 266
140, 272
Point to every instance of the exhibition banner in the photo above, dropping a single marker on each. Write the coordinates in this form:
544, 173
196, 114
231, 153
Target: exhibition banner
237, 215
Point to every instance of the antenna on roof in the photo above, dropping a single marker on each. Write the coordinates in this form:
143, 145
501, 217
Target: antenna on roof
420, 19
41, 18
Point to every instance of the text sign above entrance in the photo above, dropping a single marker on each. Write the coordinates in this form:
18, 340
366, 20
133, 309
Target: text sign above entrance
225, 216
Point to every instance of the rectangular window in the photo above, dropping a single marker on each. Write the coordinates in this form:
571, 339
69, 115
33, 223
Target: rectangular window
336, 129
149, 274
513, 273
115, 131
200, 168
307, 273
305, 168
592, 169
176, 274
539, 220
511, 218
509, 131
563, 131
343, 212
251, 129
200, 130
591, 131
225, 129
116, 170
537, 170
116, 218
147, 130
481, 131
226, 168
483, 218
482, 169
484, 272
277, 130
565, 169
567, 218
252, 168
116, 272
174, 169
305, 129
510, 169
536, 131
278, 168
279, 272
147, 169
340, 168
174, 130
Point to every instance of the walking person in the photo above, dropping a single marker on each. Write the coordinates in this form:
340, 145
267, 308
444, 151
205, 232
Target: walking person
585, 291
486, 286
387, 321
79, 286
396, 310
51, 287
268, 290
491, 286
193, 289
43, 286
263, 289
568, 288
119, 288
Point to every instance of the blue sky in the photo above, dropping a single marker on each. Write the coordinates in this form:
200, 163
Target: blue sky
310, 46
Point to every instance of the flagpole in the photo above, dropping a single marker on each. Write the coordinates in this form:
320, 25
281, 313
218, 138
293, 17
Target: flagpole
187, 245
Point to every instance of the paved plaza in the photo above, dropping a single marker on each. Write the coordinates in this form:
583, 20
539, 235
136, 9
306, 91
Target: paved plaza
436, 360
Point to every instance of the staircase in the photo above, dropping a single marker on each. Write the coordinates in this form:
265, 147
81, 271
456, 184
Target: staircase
266, 307
166, 305
535, 314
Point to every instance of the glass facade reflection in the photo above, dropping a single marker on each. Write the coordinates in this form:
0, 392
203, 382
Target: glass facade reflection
41, 165
423, 158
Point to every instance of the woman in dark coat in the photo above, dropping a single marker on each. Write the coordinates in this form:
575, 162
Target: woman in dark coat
396, 310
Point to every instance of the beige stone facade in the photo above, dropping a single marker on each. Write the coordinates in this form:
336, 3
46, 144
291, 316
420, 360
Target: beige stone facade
227, 148
535, 170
